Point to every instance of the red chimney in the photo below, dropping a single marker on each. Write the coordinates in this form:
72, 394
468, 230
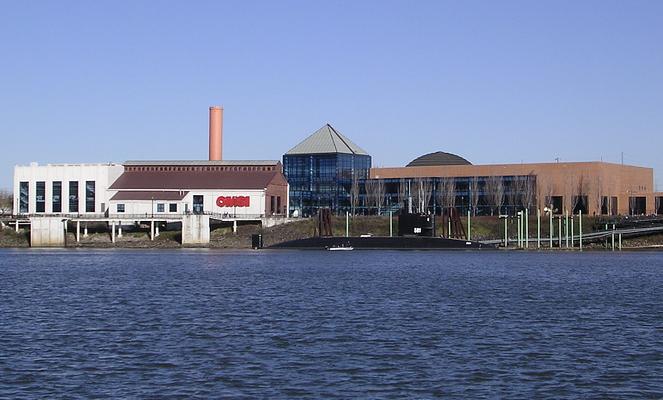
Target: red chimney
215, 133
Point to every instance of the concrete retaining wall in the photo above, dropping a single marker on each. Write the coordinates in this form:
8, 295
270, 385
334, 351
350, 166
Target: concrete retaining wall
47, 232
195, 229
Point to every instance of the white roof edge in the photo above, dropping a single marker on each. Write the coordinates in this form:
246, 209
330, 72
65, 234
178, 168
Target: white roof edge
34, 164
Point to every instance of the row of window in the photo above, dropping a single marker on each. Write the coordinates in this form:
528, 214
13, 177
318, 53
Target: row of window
56, 197
161, 207
199, 168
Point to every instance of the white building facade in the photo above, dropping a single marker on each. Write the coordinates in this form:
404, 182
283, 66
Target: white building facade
241, 189
229, 203
63, 189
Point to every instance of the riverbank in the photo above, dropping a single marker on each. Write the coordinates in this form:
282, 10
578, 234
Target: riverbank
483, 228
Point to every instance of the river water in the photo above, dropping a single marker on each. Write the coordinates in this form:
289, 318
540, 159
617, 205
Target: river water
309, 324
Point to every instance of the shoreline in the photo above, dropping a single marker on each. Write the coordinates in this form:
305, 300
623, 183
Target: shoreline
223, 237
555, 250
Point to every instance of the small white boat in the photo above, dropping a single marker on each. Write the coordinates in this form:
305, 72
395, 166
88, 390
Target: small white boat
341, 248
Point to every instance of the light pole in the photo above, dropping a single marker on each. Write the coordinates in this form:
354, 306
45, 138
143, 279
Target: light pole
549, 210
506, 238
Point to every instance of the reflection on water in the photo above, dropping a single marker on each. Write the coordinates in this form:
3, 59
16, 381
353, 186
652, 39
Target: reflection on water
311, 324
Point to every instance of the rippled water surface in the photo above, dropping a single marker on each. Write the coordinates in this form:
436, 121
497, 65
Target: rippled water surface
210, 324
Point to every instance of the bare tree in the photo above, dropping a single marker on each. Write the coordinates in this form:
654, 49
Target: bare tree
474, 194
596, 194
495, 190
413, 194
354, 193
423, 190
370, 186
6, 202
570, 191
447, 193
375, 193
581, 190
528, 191
546, 193
402, 193
380, 192
514, 192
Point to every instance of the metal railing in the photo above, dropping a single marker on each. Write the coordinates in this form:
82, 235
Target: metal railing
142, 216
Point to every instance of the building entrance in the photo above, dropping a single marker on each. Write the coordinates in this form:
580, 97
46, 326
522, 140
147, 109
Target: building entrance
198, 207
637, 205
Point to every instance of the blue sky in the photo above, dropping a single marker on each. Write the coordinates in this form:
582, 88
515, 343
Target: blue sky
507, 81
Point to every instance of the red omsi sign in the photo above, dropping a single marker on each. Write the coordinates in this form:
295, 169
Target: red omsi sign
233, 201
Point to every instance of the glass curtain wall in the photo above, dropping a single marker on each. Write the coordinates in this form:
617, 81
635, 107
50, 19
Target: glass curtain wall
323, 180
410, 193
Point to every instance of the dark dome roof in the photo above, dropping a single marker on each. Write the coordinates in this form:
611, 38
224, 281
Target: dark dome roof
438, 158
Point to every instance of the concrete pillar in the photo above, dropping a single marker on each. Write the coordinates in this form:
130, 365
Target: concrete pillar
551, 229
46, 232
580, 229
2, 225
195, 229
235, 226
469, 225
78, 231
527, 228
119, 229
16, 225
566, 228
85, 231
347, 224
152, 230
113, 232
620, 242
156, 230
560, 231
538, 228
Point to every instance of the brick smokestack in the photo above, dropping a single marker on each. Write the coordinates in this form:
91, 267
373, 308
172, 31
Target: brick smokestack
215, 133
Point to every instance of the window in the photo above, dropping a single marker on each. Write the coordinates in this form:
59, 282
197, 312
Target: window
57, 197
161, 207
89, 196
604, 205
24, 197
120, 208
73, 196
41, 197
172, 207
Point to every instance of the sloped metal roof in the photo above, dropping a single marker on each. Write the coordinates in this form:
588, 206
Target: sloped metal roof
326, 140
196, 180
